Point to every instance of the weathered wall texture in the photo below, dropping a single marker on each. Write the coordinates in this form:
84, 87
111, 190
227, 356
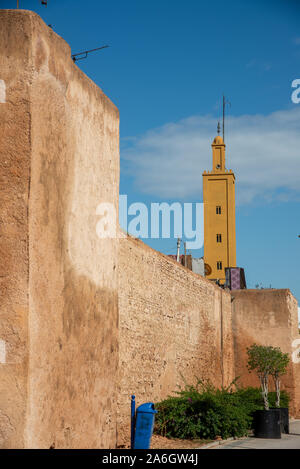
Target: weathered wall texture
58, 299
15, 148
173, 323
266, 317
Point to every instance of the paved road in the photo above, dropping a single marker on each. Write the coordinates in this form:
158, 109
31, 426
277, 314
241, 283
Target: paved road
291, 441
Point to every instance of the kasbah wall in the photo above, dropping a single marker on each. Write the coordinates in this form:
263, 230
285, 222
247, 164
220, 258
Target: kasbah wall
86, 322
59, 147
176, 326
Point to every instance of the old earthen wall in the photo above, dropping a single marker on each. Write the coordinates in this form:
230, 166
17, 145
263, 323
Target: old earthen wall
174, 326
59, 159
267, 317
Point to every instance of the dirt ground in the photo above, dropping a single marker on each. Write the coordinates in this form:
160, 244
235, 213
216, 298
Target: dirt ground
160, 442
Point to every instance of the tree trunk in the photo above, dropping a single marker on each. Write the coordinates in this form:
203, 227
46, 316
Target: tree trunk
277, 384
264, 388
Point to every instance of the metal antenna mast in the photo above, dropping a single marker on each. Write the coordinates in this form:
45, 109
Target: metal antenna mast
178, 249
85, 53
224, 106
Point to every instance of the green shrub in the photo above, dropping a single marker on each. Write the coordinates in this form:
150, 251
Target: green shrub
253, 399
202, 411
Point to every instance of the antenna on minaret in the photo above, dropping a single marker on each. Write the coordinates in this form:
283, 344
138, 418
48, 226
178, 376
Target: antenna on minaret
224, 118
224, 106
218, 128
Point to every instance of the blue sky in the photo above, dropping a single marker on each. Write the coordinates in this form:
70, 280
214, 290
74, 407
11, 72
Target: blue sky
166, 69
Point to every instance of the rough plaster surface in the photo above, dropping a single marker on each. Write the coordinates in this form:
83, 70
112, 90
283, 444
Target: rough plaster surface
2, 351
58, 298
15, 148
266, 317
2, 91
174, 324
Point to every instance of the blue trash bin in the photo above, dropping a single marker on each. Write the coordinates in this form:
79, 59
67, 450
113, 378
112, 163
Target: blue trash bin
144, 423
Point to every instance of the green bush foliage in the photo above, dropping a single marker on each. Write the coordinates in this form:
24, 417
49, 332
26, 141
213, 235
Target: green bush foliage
205, 412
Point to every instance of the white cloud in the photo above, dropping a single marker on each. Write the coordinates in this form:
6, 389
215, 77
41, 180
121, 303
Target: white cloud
262, 150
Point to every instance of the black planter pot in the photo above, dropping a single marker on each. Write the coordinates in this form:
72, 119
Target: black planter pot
267, 423
284, 420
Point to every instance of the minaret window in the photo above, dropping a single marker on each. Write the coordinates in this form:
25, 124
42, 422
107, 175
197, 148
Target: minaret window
218, 210
219, 265
219, 238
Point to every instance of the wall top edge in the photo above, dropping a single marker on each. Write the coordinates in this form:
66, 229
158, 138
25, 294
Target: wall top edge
35, 27
140, 244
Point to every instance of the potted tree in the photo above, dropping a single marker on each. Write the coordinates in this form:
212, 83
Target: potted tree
279, 368
266, 422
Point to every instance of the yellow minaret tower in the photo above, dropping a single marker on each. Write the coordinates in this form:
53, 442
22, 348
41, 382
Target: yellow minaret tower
219, 215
